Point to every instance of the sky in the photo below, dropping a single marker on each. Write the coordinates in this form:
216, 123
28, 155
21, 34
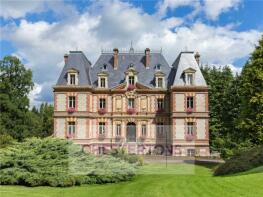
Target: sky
40, 32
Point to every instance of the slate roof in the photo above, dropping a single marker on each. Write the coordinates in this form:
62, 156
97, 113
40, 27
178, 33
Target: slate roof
116, 77
78, 61
184, 61
173, 74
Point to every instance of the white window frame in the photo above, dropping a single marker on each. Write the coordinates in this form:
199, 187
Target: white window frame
190, 128
160, 129
160, 103
159, 79
102, 103
72, 102
71, 128
190, 102
72, 79
118, 130
189, 79
191, 152
144, 130
131, 103
102, 128
103, 82
131, 80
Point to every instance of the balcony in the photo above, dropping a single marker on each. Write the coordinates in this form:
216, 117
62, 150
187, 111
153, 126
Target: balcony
102, 111
101, 136
71, 110
160, 110
131, 111
131, 87
189, 110
189, 137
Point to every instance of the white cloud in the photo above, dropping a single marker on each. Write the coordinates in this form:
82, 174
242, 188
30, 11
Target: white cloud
213, 8
43, 44
19, 8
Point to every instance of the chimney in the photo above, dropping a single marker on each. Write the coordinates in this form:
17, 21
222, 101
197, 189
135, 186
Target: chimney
197, 58
115, 58
147, 57
66, 58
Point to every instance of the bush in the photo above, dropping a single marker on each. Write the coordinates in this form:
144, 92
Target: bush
241, 161
131, 158
58, 163
6, 140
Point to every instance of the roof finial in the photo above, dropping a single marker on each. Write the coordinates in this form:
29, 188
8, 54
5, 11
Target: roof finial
131, 48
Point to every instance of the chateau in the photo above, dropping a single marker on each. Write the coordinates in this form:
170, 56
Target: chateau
133, 99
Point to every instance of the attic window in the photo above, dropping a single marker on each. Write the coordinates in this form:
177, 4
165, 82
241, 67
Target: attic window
131, 65
104, 67
72, 77
158, 67
189, 79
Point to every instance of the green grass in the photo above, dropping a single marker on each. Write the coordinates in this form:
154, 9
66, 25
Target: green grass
180, 180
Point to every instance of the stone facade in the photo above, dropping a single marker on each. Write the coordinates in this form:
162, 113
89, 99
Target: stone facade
141, 119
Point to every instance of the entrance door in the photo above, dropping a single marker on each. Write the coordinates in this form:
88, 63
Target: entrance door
131, 132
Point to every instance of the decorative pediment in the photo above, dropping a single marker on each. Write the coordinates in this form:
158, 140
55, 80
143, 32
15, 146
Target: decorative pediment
189, 70
72, 70
159, 74
123, 86
103, 74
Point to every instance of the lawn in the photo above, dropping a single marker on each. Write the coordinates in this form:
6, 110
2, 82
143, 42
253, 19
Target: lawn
156, 180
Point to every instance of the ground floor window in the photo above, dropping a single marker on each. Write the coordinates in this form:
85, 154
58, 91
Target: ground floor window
160, 130
101, 150
143, 130
190, 152
118, 130
71, 129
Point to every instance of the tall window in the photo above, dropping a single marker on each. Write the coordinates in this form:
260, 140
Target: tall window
160, 130
71, 128
101, 150
130, 103
160, 103
72, 102
131, 80
102, 82
102, 128
118, 130
190, 128
190, 152
189, 79
190, 102
102, 103
160, 82
143, 130
72, 79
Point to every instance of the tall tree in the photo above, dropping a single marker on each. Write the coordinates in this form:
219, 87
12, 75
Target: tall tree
251, 116
16, 83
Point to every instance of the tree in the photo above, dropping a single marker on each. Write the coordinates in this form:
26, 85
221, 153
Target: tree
16, 83
251, 116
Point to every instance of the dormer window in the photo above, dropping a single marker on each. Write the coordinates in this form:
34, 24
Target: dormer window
103, 79
102, 82
131, 66
158, 67
104, 67
72, 77
159, 82
131, 80
189, 75
189, 79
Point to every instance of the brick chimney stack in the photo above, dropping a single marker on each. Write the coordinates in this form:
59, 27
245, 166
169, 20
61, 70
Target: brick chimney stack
147, 57
115, 58
66, 58
197, 58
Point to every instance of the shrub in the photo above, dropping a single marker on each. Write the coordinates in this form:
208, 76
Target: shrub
241, 161
6, 140
131, 158
58, 163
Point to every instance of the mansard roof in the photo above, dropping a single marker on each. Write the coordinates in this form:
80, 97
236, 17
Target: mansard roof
79, 62
173, 75
186, 62
116, 77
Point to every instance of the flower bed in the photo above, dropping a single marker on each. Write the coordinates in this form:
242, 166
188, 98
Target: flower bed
71, 109
189, 137
189, 110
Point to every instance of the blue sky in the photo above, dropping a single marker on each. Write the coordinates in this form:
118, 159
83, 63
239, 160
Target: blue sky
41, 32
